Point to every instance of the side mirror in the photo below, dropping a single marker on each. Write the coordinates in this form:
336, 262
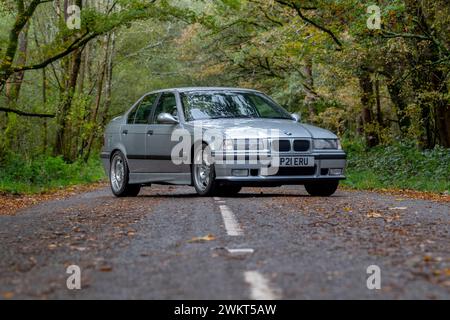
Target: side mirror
167, 118
296, 117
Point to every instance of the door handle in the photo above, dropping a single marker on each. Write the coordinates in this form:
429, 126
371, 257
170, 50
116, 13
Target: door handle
125, 132
150, 132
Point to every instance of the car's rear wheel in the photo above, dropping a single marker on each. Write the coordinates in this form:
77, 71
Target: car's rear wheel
203, 173
119, 176
322, 189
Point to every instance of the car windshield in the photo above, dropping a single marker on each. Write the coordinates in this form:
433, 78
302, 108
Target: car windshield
200, 105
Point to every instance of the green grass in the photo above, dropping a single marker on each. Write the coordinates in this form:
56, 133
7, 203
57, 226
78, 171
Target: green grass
399, 166
19, 176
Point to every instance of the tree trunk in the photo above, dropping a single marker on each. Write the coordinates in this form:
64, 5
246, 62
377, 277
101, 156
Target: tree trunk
308, 85
100, 84
64, 110
400, 104
378, 103
14, 84
44, 101
367, 99
74, 63
108, 86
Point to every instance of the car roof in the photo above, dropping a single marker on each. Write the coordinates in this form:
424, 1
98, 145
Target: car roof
191, 89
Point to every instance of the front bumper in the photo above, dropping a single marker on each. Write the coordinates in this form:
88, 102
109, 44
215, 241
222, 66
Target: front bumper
324, 163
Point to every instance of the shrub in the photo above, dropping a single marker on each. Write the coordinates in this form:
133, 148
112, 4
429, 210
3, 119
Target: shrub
400, 165
18, 175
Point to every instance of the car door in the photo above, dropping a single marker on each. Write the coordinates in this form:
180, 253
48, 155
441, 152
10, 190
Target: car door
135, 131
159, 144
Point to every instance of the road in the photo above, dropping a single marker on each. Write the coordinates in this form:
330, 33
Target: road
275, 243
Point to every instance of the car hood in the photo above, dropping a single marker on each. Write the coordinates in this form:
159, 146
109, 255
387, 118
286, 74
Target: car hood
261, 128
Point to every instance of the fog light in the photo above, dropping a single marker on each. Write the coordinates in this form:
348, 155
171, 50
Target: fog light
239, 172
336, 172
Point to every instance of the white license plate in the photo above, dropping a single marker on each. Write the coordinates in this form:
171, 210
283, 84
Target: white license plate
296, 161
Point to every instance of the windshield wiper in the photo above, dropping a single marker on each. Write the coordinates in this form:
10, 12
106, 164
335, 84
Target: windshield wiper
232, 117
284, 118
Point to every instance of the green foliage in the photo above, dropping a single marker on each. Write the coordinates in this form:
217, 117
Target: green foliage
400, 165
46, 173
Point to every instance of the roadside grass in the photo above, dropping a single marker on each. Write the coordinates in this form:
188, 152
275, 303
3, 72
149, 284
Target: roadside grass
398, 166
19, 176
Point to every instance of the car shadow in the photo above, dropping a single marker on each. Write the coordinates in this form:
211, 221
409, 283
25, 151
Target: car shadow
238, 196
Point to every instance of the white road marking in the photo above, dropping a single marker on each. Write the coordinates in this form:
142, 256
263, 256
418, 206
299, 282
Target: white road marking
260, 287
240, 251
231, 225
217, 198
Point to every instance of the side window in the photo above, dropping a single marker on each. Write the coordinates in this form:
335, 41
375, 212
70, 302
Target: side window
145, 108
132, 115
167, 104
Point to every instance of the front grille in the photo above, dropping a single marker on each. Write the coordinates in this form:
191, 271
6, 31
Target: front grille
296, 171
301, 145
282, 145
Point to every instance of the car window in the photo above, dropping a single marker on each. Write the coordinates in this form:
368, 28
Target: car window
145, 108
132, 115
167, 104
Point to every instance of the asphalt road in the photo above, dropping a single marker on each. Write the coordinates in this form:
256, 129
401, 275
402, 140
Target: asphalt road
264, 244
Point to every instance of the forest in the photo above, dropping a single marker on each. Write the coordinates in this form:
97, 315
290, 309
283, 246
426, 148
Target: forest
374, 72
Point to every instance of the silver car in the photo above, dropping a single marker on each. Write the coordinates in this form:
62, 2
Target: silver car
218, 140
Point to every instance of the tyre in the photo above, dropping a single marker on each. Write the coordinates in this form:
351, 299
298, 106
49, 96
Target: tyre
228, 190
119, 176
322, 189
203, 173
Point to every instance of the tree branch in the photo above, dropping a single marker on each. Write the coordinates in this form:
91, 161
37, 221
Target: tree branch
26, 114
76, 44
390, 34
299, 9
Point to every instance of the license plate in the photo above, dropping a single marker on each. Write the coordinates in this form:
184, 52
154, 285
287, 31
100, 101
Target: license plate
296, 161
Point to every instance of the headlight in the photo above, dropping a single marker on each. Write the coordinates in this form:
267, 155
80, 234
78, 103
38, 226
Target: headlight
330, 144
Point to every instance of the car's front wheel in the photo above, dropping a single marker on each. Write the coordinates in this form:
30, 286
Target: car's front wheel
119, 176
322, 189
203, 173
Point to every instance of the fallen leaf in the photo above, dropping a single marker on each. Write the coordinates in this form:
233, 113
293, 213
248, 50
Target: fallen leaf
52, 246
427, 258
374, 214
8, 295
209, 237
106, 269
78, 248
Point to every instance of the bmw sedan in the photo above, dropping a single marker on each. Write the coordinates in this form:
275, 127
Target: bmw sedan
218, 140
